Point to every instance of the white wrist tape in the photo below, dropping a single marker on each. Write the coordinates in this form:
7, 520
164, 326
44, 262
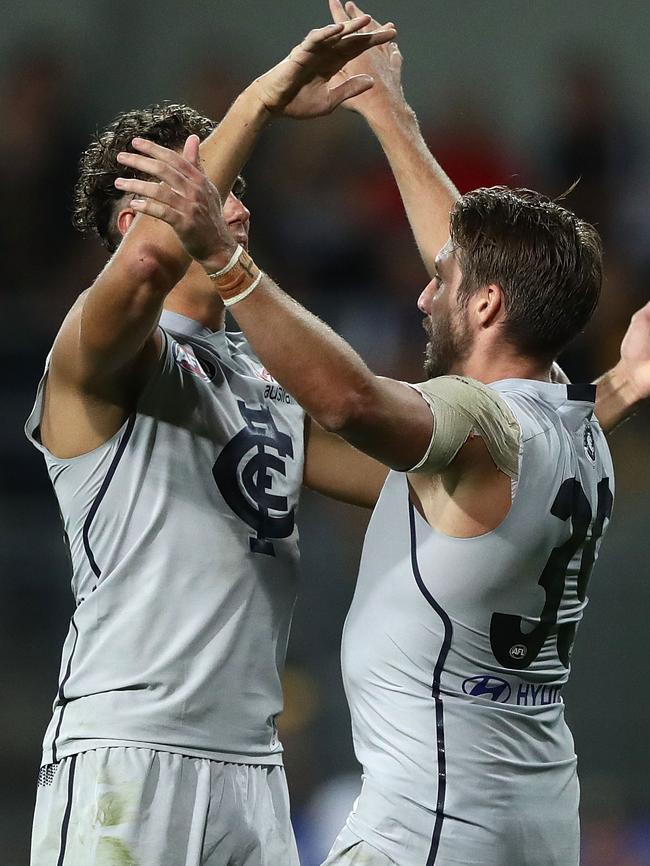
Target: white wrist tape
231, 264
238, 279
228, 302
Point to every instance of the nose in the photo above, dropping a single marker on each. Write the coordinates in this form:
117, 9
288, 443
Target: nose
236, 211
424, 301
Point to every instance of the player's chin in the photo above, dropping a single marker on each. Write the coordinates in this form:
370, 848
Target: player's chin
240, 237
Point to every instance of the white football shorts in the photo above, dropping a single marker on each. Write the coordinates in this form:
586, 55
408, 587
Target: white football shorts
141, 807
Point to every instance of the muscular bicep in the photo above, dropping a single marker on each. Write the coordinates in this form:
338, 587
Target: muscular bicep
80, 413
389, 422
108, 344
336, 469
104, 333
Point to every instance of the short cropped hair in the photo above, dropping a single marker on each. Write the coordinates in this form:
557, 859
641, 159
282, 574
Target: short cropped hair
95, 194
546, 260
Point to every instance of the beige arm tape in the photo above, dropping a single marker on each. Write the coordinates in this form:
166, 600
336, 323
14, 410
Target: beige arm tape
462, 407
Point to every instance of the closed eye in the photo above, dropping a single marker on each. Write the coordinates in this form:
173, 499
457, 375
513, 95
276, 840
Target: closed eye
239, 188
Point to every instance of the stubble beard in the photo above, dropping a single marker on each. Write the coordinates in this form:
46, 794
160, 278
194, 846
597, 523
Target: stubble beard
450, 343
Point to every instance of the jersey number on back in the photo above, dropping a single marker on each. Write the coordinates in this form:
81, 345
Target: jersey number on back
516, 649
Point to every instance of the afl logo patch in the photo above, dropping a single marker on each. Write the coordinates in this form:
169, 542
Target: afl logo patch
518, 651
186, 358
589, 444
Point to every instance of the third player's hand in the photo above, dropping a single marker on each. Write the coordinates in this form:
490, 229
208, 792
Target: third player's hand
182, 196
303, 85
383, 63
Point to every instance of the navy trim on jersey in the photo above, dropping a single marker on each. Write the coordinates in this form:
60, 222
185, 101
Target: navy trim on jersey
102, 492
581, 393
435, 691
62, 697
66, 815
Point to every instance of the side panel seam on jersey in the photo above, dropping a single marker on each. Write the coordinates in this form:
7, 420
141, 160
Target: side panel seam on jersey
66, 815
435, 689
61, 694
102, 492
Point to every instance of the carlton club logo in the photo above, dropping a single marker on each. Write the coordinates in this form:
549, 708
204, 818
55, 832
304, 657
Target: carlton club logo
245, 473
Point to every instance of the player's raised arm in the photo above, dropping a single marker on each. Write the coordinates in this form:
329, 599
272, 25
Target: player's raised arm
339, 471
110, 322
386, 419
121, 309
107, 345
307, 83
623, 389
428, 194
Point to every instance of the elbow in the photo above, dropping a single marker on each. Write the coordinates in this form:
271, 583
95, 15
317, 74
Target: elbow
351, 412
152, 267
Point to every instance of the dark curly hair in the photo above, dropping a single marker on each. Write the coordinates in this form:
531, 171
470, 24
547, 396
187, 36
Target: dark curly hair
95, 194
547, 261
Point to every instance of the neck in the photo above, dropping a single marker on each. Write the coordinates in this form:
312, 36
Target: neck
196, 298
503, 364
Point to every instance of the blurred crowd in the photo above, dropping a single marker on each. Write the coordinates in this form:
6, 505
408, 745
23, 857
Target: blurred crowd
328, 224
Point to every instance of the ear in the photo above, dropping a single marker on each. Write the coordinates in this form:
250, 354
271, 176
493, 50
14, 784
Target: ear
124, 219
489, 305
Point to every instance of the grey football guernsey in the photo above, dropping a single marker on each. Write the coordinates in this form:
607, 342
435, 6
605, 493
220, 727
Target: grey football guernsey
184, 549
456, 650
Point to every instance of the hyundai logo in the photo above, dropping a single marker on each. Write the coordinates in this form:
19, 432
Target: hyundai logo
485, 686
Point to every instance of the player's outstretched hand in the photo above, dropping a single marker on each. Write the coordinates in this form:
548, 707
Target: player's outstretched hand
383, 63
303, 84
635, 353
181, 195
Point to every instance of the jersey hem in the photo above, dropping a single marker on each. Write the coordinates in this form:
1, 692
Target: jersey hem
77, 748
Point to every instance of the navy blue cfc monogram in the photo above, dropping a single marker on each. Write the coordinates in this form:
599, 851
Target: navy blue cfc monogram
243, 473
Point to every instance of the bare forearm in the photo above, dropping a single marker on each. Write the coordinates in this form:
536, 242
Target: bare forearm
316, 366
225, 151
616, 398
428, 194
337, 470
123, 306
385, 419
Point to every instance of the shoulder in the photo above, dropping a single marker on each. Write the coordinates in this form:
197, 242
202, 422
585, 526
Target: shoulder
534, 411
464, 408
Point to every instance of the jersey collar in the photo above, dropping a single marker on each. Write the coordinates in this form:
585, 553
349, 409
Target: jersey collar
554, 392
576, 403
179, 324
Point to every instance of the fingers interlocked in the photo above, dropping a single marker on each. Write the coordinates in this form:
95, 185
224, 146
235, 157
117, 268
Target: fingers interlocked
350, 36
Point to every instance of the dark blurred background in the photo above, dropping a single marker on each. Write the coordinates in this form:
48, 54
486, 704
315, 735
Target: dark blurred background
535, 94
